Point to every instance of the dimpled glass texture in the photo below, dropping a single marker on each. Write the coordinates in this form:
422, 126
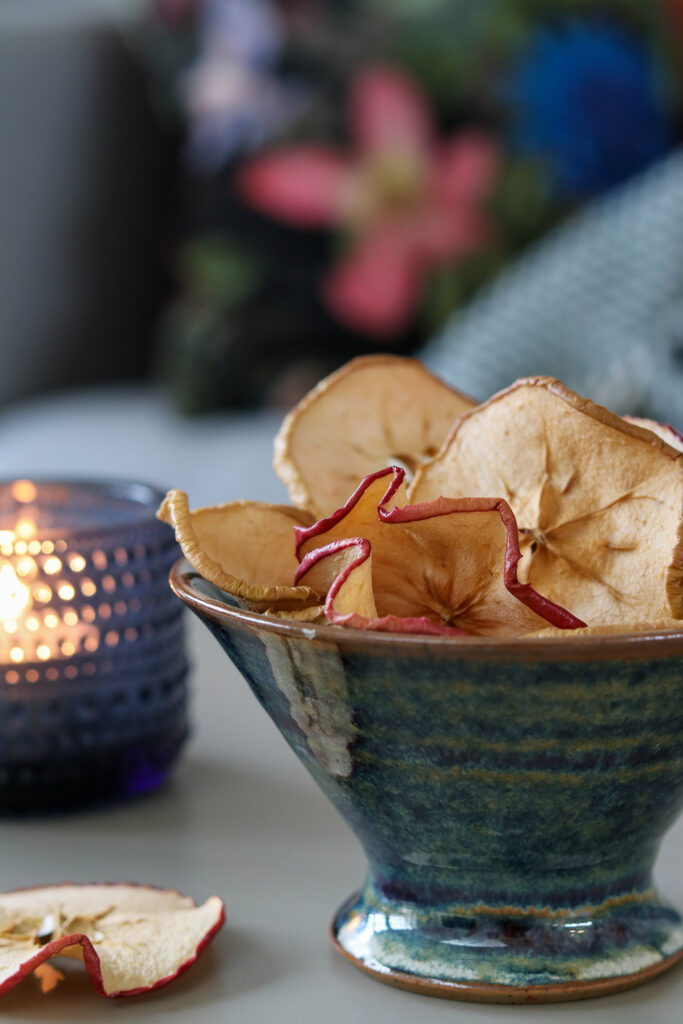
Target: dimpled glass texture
92, 663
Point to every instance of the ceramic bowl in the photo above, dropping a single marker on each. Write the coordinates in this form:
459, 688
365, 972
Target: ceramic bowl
510, 796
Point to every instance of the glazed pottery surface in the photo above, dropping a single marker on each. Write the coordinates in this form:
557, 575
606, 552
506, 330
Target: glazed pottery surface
510, 795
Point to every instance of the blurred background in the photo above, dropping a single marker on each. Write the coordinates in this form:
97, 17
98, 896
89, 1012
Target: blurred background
230, 198
206, 205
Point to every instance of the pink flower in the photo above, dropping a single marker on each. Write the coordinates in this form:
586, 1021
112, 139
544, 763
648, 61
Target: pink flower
406, 200
176, 11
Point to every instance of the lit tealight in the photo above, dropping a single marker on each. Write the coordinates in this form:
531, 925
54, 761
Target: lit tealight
32, 623
42, 593
16, 654
68, 648
43, 652
51, 620
77, 563
66, 591
70, 617
52, 565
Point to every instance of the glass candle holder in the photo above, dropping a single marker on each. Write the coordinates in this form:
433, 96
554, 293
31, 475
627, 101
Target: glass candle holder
93, 700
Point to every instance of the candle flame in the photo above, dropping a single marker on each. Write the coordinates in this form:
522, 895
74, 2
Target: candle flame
26, 637
14, 595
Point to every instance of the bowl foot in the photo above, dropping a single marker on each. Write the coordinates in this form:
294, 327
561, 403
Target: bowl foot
509, 957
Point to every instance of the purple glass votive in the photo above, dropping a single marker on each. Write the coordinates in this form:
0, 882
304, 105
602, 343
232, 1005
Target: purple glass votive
93, 699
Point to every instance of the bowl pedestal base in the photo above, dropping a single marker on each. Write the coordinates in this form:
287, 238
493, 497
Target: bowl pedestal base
508, 957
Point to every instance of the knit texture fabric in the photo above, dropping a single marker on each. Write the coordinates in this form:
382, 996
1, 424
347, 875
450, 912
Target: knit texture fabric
598, 303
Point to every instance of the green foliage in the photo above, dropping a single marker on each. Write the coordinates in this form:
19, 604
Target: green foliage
523, 203
219, 272
190, 352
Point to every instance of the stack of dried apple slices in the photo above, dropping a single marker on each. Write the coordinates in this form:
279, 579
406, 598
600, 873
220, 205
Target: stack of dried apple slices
534, 513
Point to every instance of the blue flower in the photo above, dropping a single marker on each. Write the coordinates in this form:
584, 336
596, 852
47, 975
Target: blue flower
587, 98
251, 31
234, 98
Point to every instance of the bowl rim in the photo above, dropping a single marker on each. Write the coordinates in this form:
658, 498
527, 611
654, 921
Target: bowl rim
665, 642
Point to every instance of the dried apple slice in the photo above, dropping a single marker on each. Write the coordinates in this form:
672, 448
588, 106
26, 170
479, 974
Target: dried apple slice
612, 630
446, 566
598, 500
131, 938
375, 411
663, 430
343, 569
247, 549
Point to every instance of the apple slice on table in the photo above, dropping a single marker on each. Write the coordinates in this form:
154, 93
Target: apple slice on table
247, 549
444, 567
598, 500
375, 411
131, 938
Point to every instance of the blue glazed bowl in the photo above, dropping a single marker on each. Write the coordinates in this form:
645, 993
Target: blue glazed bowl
511, 796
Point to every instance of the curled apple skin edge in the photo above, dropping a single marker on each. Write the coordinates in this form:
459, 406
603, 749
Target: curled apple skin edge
553, 613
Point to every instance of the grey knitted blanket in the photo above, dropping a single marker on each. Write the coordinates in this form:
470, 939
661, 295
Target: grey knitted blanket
598, 303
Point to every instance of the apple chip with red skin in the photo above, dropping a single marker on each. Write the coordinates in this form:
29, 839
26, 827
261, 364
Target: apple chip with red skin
599, 500
445, 567
374, 411
131, 938
247, 549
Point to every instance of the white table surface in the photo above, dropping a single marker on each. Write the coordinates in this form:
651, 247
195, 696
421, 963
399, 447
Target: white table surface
241, 817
